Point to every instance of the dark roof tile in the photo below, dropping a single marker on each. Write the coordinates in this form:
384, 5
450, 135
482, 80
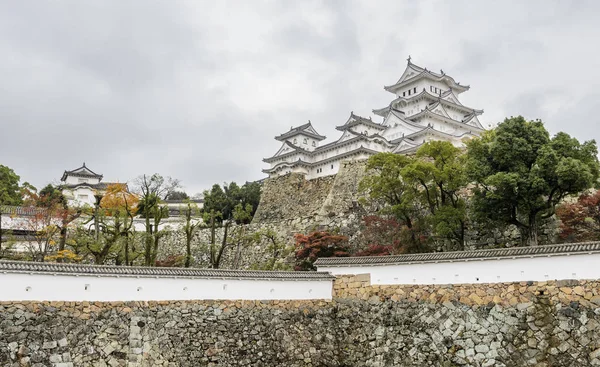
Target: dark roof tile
129, 271
501, 253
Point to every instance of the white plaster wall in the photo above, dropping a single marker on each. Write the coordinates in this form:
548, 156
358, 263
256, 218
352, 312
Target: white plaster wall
72, 180
73, 196
45, 287
583, 266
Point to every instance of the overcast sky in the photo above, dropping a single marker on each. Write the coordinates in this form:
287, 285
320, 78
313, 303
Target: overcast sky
197, 90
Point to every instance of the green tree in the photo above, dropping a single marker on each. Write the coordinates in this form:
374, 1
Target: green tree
232, 235
398, 198
438, 175
10, 191
521, 174
224, 199
177, 195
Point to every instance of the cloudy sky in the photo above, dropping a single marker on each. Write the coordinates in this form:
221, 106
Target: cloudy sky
197, 90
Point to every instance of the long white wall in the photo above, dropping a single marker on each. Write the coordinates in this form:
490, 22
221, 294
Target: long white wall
46, 287
580, 266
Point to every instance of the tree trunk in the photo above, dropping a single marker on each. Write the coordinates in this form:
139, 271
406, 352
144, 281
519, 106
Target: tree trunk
126, 250
223, 246
155, 248
188, 249
148, 242
212, 239
531, 232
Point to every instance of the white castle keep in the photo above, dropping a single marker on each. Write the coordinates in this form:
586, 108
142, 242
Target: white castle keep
426, 107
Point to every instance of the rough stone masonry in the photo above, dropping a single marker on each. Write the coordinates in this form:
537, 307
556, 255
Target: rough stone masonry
516, 324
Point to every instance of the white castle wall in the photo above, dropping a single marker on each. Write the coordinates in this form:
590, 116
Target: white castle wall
48, 287
555, 267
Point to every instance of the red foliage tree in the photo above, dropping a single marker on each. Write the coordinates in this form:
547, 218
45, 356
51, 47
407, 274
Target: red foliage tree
387, 236
580, 221
171, 261
376, 250
318, 244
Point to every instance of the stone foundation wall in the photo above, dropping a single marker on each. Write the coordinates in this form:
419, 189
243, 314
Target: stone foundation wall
227, 333
516, 324
289, 205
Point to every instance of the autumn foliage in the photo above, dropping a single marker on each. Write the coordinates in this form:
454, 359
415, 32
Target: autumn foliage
381, 235
580, 221
318, 244
118, 200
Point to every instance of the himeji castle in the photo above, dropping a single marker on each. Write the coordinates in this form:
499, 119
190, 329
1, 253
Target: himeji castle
425, 107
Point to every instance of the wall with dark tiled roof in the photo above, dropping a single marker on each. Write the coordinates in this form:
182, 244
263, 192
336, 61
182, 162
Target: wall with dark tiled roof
542, 263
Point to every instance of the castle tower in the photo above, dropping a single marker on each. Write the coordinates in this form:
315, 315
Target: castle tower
426, 107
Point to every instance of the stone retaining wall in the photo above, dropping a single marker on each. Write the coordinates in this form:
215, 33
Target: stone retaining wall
515, 324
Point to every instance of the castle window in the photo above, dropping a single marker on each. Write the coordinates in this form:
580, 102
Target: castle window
82, 180
403, 94
415, 90
314, 144
409, 92
332, 166
295, 141
305, 141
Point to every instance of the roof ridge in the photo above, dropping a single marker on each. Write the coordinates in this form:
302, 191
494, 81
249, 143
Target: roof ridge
115, 270
506, 252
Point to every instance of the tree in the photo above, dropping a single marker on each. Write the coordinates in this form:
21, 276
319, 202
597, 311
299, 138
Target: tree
437, 172
10, 191
118, 208
379, 236
318, 244
398, 197
580, 221
50, 222
52, 197
190, 227
152, 190
521, 174
177, 195
43, 225
226, 198
232, 236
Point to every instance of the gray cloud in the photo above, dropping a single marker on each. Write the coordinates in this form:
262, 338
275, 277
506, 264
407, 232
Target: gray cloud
197, 90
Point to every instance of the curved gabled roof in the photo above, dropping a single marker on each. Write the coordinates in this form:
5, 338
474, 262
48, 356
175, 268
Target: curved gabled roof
295, 149
428, 111
424, 93
82, 171
430, 129
286, 164
306, 129
404, 120
354, 120
419, 73
473, 117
